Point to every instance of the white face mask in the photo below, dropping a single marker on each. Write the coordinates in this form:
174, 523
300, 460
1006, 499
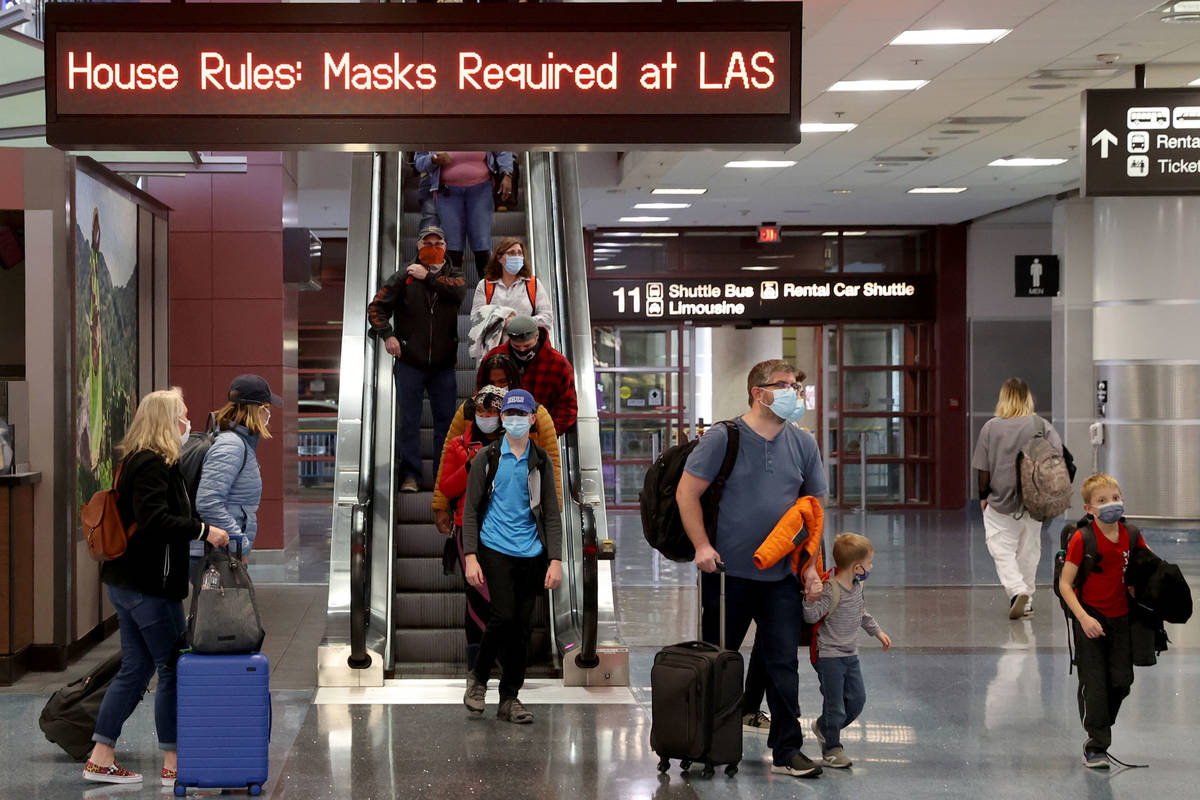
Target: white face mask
487, 424
187, 431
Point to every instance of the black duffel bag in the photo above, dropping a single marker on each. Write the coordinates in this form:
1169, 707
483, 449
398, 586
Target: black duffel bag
69, 716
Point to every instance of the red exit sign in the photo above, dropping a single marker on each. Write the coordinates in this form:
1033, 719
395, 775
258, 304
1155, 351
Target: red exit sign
420, 75
768, 234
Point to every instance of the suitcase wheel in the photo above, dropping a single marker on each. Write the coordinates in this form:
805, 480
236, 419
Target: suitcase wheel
685, 765
731, 770
708, 771
664, 764
180, 790
255, 789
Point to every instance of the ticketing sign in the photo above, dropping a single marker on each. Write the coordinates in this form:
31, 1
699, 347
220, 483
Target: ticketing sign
416, 76
718, 301
1141, 142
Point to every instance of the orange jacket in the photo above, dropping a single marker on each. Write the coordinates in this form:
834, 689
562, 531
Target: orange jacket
806, 518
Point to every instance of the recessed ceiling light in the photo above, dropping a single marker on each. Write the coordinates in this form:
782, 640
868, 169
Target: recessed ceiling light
658, 235
608, 267
665, 190
759, 164
606, 250
841, 191
661, 206
937, 189
877, 86
644, 219
1027, 162
952, 36
827, 127
1195, 82
844, 233
759, 268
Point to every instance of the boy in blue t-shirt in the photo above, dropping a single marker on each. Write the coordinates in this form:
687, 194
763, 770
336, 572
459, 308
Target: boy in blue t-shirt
512, 541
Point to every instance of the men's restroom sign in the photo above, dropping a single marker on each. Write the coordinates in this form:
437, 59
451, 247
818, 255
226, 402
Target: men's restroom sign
1036, 276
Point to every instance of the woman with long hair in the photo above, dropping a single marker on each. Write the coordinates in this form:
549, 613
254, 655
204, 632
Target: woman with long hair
148, 582
508, 289
230, 482
1014, 537
501, 371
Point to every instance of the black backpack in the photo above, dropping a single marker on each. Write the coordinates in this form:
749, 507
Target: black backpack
191, 456
661, 523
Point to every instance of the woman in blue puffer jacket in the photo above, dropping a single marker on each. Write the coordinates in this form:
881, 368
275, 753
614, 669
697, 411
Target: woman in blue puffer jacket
230, 483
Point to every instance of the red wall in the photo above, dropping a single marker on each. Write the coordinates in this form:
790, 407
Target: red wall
12, 178
228, 304
950, 344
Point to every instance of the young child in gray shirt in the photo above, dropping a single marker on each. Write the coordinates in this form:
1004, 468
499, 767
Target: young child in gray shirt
840, 612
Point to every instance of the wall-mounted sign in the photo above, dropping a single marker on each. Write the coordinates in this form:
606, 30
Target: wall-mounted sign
769, 234
1036, 276
720, 301
417, 76
1141, 141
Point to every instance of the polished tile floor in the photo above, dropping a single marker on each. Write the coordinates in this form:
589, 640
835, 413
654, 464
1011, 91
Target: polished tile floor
966, 705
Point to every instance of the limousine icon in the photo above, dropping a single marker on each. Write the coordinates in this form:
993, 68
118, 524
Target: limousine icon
1148, 118
1186, 117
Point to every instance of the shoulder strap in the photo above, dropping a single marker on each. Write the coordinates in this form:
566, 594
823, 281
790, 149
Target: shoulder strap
837, 597
732, 436
1091, 555
531, 290
489, 289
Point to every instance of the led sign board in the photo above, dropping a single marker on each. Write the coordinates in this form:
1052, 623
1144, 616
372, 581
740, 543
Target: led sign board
720, 300
1141, 142
420, 76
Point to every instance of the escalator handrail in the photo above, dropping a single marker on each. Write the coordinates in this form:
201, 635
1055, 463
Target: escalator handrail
360, 525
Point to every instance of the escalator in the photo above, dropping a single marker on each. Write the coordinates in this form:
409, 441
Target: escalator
391, 608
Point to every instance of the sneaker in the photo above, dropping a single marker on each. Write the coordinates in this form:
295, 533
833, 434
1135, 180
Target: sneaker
112, 774
1028, 609
1095, 759
474, 695
758, 722
816, 729
800, 766
410, 486
1016, 606
168, 777
512, 711
837, 759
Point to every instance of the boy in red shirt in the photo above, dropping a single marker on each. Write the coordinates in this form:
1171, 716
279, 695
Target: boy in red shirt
1101, 614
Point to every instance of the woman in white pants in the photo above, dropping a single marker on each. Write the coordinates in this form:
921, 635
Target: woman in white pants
1014, 537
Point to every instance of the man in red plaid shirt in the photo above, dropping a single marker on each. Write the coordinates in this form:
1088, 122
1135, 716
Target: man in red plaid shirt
545, 373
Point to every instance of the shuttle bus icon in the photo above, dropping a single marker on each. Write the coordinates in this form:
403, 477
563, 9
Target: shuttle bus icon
1186, 117
1148, 118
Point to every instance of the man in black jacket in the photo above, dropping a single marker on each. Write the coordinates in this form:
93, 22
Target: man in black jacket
415, 314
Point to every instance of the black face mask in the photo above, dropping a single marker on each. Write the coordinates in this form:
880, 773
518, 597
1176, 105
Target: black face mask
525, 356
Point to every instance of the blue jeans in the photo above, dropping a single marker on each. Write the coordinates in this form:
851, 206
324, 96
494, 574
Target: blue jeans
149, 627
411, 385
843, 695
777, 610
466, 214
428, 205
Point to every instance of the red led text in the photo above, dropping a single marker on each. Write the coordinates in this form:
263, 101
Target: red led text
102, 75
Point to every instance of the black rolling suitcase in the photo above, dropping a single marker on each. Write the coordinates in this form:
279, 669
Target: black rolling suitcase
69, 716
696, 704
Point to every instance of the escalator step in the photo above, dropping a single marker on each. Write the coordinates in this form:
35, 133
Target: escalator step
464, 322
427, 478
466, 383
414, 645
414, 508
429, 610
420, 541
424, 575
427, 443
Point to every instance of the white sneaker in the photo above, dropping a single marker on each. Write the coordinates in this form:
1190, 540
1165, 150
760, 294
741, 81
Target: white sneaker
758, 722
1017, 609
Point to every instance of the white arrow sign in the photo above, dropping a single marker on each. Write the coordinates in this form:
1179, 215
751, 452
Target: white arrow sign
1105, 138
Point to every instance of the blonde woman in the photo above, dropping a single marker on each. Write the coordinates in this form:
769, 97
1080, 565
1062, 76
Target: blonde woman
148, 583
1014, 537
230, 482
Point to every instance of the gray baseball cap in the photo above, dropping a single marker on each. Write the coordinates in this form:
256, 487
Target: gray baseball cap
428, 229
521, 328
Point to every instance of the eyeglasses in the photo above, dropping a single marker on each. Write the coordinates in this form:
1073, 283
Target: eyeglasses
781, 385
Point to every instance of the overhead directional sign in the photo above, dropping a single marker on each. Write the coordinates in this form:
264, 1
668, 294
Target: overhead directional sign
1141, 142
416, 76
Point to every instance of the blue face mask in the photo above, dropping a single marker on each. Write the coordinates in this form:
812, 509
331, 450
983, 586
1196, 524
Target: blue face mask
517, 427
865, 574
513, 264
787, 405
1110, 512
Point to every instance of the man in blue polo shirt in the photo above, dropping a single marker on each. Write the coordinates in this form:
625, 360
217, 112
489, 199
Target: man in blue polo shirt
776, 463
512, 541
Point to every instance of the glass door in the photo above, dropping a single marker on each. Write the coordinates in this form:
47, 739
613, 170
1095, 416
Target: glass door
640, 377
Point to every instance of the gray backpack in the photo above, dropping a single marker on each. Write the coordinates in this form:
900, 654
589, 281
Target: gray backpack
225, 616
1044, 482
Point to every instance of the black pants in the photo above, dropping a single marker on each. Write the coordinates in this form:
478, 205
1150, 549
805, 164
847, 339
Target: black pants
1105, 667
477, 611
514, 584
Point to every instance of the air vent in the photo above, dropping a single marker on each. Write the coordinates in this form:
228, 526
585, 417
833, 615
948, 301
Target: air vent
1025, 98
981, 120
959, 131
1047, 87
901, 159
876, 171
1077, 73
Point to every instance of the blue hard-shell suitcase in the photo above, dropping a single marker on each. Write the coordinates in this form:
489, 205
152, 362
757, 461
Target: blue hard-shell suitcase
224, 726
